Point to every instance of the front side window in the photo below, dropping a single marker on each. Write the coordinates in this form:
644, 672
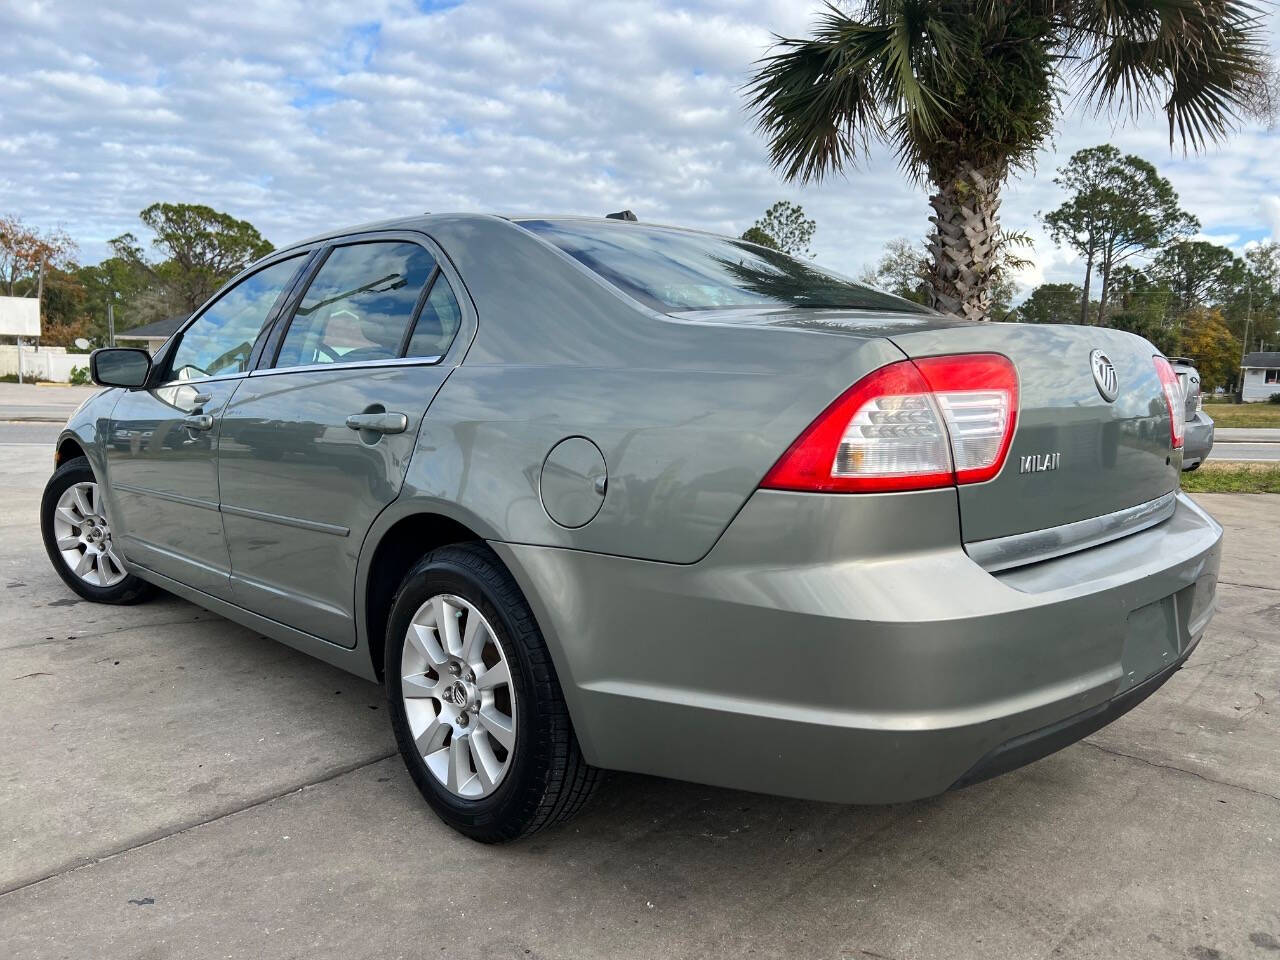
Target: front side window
221, 339
674, 270
359, 305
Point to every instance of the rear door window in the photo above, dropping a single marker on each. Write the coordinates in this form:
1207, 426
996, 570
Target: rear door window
359, 306
438, 323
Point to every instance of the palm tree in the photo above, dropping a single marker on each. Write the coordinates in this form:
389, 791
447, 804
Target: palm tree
965, 91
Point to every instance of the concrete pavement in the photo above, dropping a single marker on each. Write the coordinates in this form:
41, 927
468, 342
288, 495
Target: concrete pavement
173, 785
41, 402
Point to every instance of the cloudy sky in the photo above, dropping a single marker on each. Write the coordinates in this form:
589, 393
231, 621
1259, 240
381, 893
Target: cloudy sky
299, 116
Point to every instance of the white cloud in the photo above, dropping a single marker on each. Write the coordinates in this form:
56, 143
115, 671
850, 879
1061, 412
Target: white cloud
303, 115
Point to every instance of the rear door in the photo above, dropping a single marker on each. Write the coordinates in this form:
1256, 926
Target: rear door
163, 441
317, 440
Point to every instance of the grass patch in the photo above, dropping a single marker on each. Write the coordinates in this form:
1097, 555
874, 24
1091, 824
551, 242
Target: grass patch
1244, 414
26, 378
1225, 477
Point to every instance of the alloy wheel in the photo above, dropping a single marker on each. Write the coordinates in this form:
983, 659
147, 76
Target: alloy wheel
458, 696
84, 536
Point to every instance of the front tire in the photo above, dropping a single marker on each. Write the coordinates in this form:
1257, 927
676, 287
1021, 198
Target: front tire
77, 537
475, 703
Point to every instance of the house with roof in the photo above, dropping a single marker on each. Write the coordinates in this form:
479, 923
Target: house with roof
1260, 376
152, 335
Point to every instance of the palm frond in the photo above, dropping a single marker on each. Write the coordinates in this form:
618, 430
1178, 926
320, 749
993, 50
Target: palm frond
820, 101
1199, 61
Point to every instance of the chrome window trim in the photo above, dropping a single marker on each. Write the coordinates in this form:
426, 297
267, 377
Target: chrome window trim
1020, 549
356, 365
238, 375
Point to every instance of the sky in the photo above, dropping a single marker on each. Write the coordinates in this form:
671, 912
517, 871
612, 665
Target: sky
304, 116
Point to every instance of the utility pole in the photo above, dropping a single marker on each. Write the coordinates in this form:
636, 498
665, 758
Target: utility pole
111, 325
1244, 347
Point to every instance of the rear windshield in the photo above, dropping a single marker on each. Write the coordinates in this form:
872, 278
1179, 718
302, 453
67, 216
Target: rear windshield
672, 270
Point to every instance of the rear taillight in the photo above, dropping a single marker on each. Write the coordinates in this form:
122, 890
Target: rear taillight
1173, 399
910, 425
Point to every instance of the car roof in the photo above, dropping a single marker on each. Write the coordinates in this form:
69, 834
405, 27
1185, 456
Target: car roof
423, 220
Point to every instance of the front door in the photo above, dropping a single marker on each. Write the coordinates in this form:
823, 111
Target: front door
316, 443
163, 441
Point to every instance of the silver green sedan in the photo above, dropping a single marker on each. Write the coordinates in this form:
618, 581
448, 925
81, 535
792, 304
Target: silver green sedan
592, 494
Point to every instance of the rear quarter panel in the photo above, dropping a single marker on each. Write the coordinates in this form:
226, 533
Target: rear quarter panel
689, 416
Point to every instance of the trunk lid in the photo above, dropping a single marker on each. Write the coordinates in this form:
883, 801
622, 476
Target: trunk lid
1074, 455
1189, 380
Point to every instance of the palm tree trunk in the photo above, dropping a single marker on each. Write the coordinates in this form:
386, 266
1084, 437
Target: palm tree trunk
964, 241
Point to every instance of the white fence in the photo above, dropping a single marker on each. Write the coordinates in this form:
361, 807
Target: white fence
47, 363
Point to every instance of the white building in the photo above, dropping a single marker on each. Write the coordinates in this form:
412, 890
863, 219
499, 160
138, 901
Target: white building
1261, 376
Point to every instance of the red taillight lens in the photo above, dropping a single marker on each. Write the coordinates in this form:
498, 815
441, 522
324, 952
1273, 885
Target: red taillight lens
1174, 399
908, 426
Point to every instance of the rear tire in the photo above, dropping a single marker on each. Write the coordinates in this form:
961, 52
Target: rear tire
77, 537
451, 716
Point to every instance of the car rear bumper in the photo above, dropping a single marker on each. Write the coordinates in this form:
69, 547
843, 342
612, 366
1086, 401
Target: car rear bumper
1197, 441
845, 649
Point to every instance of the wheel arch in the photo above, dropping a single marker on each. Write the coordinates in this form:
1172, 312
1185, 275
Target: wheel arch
69, 447
392, 551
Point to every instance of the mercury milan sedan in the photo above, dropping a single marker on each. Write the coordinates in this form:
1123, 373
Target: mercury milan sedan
592, 494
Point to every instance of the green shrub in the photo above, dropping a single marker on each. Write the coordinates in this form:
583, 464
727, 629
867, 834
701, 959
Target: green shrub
80, 376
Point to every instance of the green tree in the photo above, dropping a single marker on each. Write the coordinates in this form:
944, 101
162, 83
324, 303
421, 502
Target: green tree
966, 92
784, 227
1052, 303
757, 236
901, 270
1197, 272
1255, 311
1118, 206
129, 287
1165, 338
201, 249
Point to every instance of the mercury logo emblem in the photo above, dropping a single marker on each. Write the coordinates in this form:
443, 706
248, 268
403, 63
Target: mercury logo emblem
1104, 375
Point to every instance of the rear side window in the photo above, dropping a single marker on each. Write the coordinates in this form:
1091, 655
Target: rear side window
674, 270
359, 306
438, 323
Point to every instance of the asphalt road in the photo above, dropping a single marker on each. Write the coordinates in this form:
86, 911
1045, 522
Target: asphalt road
29, 434
173, 785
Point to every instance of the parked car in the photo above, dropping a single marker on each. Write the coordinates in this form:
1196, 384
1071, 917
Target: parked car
590, 494
1198, 440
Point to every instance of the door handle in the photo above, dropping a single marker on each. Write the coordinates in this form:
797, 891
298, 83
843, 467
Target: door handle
379, 422
198, 421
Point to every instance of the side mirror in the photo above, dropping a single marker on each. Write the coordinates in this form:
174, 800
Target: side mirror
119, 367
